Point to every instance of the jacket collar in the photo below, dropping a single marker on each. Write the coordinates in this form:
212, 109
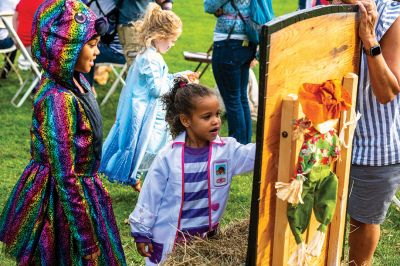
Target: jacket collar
181, 140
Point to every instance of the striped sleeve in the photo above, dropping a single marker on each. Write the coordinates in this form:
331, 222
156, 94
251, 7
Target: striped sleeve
377, 136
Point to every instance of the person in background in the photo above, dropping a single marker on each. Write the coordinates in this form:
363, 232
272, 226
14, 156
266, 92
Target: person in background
129, 12
59, 213
232, 55
22, 22
7, 6
187, 187
375, 171
110, 48
140, 130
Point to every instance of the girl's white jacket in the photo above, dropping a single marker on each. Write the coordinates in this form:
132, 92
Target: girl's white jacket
158, 210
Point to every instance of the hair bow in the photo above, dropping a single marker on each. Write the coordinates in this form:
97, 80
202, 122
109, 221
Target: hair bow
182, 84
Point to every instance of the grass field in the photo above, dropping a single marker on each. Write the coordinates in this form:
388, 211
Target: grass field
197, 36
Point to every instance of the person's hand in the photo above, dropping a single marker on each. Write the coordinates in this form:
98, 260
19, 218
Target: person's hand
369, 16
190, 76
193, 77
92, 256
144, 249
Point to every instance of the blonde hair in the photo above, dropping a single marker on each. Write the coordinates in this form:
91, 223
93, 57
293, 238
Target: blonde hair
157, 24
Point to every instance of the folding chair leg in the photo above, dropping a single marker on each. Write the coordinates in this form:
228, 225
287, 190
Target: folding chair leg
110, 92
15, 70
198, 66
115, 84
119, 75
204, 70
27, 93
19, 91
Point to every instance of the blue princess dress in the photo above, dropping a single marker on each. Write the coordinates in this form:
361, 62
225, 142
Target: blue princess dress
139, 130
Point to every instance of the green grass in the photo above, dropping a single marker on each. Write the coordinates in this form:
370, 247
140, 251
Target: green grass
197, 36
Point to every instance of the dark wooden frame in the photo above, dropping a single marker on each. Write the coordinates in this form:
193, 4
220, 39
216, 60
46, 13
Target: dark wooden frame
267, 30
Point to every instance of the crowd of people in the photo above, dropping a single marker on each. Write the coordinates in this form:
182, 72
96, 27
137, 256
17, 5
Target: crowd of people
166, 130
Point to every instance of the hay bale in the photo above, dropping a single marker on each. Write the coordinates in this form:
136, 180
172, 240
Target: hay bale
228, 247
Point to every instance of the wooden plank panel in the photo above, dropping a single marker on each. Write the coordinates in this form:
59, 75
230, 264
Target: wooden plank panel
312, 50
342, 171
287, 157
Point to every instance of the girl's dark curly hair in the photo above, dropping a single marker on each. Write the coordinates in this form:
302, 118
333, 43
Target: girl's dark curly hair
180, 101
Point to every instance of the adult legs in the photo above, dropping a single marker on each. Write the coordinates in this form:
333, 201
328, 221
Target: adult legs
245, 100
231, 61
302, 4
363, 240
228, 81
128, 37
371, 191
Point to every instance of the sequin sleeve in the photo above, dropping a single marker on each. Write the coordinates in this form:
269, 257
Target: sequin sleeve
58, 115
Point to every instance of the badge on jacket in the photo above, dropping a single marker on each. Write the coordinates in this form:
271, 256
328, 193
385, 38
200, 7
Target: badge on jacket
220, 169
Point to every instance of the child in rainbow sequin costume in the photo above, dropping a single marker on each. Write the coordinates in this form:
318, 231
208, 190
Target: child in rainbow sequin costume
59, 213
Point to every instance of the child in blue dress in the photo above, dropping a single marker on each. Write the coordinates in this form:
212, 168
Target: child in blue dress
140, 130
187, 187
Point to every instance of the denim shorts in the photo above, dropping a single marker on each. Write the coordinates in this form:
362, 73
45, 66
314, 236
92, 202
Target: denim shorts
371, 191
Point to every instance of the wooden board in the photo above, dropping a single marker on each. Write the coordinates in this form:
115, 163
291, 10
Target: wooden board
288, 149
306, 46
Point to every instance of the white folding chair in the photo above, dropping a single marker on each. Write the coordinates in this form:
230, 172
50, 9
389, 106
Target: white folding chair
34, 74
118, 78
6, 52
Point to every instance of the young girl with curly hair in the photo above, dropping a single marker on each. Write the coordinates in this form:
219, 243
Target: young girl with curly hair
140, 130
187, 187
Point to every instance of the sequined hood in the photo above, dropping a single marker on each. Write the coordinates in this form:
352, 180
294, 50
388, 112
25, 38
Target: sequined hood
60, 30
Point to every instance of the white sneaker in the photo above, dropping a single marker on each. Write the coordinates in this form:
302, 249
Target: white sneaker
23, 63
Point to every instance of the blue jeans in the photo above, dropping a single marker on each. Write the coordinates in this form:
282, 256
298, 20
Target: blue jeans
230, 64
107, 55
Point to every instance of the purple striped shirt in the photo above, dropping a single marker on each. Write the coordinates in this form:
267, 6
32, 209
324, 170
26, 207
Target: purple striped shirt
195, 210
